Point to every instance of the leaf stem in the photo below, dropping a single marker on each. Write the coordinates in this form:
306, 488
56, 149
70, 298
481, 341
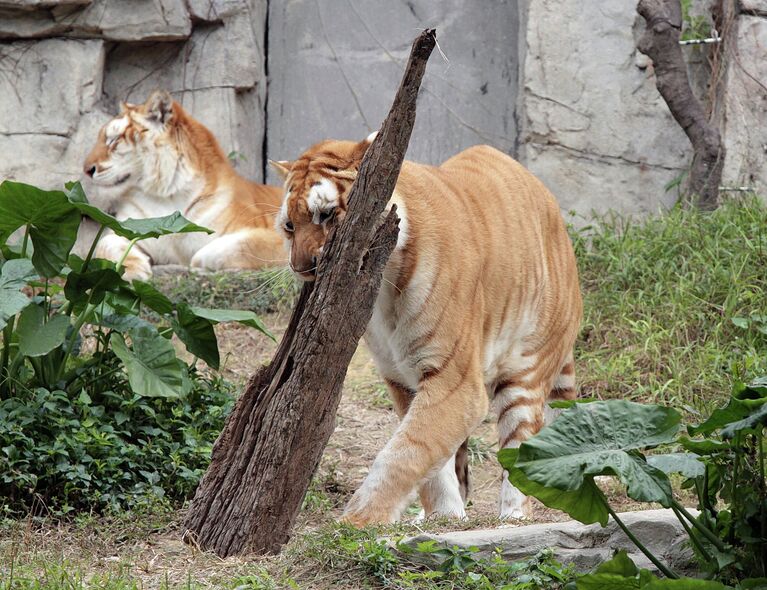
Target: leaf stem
5, 374
734, 492
763, 503
663, 569
125, 254
693, 539
715, 541
79, 323
92, 249
25, 242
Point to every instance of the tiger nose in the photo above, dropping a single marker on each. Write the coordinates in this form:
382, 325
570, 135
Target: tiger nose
90, 170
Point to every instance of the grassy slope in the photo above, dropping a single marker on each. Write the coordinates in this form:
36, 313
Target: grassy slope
660, 297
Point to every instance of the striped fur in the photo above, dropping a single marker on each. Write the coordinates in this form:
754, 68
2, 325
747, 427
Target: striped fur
479, 308
154, 159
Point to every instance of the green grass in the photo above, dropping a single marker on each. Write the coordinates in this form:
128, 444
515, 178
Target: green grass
674, 309
110, 554
660, 297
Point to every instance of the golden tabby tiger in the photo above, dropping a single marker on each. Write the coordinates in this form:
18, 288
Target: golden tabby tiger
479, 307
155, 158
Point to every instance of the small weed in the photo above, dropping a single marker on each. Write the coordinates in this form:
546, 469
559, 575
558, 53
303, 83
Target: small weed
378, 396
479, 450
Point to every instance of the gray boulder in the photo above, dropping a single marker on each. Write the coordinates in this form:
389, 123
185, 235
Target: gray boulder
585, 546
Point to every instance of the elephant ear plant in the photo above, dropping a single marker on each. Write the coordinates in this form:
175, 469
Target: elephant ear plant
725, 467
73, 331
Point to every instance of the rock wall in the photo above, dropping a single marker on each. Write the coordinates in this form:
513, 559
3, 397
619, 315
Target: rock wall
745, 103
559, 85
593, 124
56, 92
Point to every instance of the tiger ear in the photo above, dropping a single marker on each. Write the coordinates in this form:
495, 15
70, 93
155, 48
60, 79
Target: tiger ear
281, 167
159, 107
362, 147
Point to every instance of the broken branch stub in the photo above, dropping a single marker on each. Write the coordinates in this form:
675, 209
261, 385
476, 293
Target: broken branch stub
263, 461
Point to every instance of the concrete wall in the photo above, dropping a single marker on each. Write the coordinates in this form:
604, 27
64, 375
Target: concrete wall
559, 84
335, 65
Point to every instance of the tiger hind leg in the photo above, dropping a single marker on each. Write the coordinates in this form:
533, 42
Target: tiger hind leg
562, 390
522, 410
519, 408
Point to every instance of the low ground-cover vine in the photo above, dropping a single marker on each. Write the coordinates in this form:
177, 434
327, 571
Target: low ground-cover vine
96, 409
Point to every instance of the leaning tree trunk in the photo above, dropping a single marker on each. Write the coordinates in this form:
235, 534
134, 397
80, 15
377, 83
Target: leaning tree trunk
660, 43
271, 444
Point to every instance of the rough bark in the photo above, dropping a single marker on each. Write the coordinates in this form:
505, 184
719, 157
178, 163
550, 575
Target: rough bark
660, 42
271, 444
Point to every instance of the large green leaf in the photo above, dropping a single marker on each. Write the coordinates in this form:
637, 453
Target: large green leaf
703, 446
152, 367
620, 573
152, 298
733, 412
119, 322
38, 337
756, 389
602, 438
246, 318
586, 504
152, 227
685, 463
14, 275
607, 582
197, 334
616, 574
52, 221
757, 419
92, 286
620, 564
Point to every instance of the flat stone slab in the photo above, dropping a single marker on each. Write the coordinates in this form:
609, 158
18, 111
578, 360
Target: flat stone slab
585, 546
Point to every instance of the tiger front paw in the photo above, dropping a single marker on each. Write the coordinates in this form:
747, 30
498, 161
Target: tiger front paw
137, 266
363, 510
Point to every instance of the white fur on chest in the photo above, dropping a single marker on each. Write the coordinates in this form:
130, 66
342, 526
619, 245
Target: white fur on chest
385, 334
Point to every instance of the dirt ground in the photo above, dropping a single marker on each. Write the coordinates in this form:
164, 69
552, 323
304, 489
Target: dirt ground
152, 551
365, 421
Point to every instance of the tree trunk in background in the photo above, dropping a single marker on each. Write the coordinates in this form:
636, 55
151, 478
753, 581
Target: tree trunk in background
660, 43
271, 445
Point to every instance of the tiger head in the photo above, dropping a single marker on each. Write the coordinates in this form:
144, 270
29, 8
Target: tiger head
317, 186
139, 149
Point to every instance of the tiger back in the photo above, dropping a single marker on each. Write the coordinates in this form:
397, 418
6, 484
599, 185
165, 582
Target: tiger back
479, 308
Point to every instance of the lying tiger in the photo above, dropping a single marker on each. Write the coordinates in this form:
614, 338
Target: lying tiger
154, 159
479, 307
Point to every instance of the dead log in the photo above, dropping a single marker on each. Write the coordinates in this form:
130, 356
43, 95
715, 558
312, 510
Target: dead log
660, 42
264, 459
